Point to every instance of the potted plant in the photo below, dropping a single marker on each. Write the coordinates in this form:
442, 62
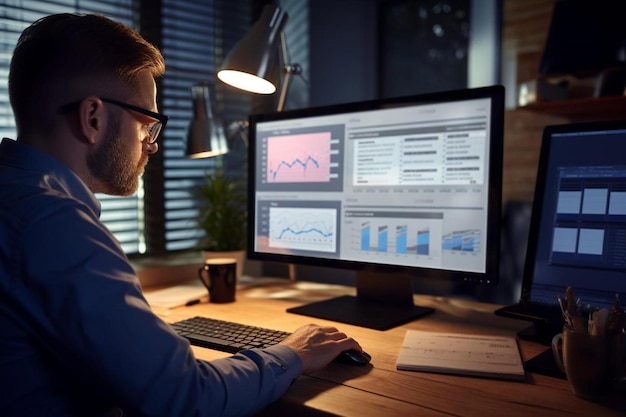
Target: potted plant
222, 216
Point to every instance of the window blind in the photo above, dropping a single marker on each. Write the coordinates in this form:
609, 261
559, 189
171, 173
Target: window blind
196, 36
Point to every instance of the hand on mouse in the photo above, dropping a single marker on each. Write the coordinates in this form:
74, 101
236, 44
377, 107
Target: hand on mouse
317, 346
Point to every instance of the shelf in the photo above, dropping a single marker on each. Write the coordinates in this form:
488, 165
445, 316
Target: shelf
603, 108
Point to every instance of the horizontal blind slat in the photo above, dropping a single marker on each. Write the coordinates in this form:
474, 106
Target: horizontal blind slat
193, 35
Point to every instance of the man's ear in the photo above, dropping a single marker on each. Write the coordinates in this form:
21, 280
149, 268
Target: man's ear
91, 118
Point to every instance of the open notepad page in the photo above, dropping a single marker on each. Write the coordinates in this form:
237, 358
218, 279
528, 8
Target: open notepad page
462, 354
178, 295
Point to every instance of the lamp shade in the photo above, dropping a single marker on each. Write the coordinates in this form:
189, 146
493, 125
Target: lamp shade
249, 64
206, 136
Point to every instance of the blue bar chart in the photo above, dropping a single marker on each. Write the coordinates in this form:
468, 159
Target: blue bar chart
462, 240
400, 242
423, 242
401, 239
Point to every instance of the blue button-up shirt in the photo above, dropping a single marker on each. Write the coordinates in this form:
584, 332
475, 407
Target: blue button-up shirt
77, 337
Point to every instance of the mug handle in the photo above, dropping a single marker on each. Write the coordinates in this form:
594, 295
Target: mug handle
205, 278
556, 341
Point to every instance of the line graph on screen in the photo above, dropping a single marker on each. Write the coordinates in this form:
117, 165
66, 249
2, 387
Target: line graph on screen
303, 228
299, 158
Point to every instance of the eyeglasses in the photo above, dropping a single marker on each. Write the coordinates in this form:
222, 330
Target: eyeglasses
153, 128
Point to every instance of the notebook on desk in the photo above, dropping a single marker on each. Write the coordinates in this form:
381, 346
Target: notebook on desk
577, 234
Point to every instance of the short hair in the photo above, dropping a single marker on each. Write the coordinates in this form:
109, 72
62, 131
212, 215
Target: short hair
60, 48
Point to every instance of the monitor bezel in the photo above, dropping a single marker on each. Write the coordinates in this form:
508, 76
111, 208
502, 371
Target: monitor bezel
494, 205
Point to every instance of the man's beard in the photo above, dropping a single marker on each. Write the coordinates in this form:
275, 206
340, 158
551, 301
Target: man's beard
111, 166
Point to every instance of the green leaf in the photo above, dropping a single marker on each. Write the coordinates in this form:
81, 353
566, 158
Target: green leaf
222, 212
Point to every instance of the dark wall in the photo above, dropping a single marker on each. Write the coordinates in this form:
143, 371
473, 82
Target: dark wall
345, 59
343, 51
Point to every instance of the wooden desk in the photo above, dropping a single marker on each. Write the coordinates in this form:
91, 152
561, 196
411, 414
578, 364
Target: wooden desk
381, 390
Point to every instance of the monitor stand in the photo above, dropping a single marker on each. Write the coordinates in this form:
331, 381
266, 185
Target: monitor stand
540, 332
383, 301
544, 363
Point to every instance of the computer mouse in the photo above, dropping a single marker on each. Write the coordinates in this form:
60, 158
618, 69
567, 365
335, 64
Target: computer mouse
353, 357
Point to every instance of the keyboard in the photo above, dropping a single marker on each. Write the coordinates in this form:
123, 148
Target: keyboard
226, 336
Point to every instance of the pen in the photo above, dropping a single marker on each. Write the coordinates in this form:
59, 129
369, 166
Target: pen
574, 311
565, 312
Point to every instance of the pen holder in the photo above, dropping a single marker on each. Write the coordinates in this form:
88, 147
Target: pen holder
616, 351
219, 276
583, 359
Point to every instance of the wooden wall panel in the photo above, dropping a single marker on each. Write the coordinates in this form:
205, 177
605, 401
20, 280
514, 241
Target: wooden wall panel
525, 28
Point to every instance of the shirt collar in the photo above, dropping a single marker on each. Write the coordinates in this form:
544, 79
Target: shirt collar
49, 171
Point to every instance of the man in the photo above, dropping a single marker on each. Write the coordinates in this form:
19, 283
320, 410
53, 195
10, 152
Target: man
77, 336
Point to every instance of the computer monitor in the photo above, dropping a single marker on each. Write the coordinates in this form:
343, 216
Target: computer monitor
394, 189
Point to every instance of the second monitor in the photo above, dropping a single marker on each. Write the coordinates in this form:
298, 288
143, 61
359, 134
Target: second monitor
394, 189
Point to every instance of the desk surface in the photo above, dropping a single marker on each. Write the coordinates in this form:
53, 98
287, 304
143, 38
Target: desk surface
380, 389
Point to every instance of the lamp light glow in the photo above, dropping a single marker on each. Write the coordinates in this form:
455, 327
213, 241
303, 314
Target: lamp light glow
256, 54
245, 81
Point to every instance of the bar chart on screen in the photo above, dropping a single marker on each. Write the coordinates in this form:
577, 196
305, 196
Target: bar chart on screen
394, 239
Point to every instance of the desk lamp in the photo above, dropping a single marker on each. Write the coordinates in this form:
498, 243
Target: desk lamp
249, 64
206, 136
249, 67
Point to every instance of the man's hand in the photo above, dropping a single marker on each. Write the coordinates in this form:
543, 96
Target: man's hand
317, 346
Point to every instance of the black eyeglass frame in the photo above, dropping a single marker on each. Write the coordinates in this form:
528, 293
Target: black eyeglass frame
158, 125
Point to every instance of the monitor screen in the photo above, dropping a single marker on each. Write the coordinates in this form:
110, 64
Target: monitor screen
579, 234
394, 189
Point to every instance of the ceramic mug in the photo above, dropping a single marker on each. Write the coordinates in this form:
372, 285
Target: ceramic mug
219, 276
583, 359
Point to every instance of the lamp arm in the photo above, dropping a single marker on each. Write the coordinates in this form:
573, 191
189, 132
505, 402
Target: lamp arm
284, 55
289, 69
238, 128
